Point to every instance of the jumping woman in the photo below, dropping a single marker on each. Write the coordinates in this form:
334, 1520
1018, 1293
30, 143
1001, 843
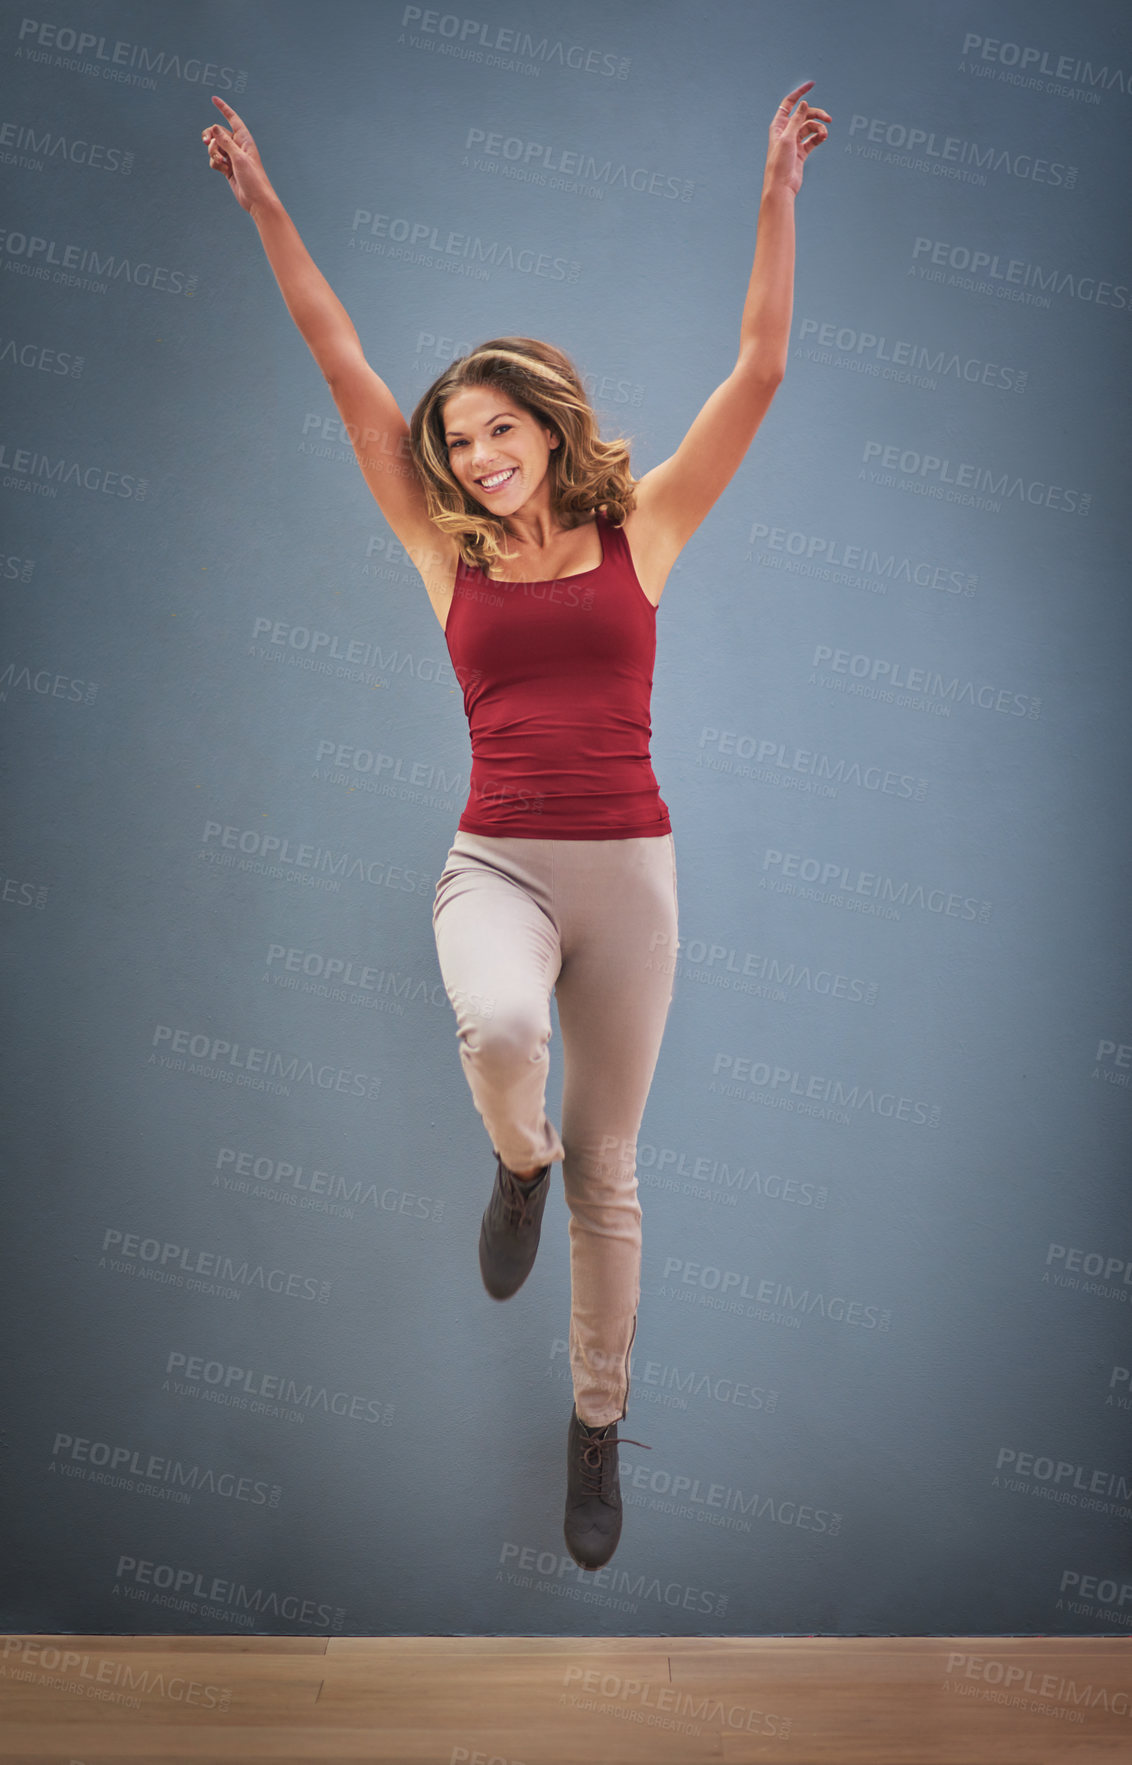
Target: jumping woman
544, 561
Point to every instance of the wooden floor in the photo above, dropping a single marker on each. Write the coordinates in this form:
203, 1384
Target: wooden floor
567, 1701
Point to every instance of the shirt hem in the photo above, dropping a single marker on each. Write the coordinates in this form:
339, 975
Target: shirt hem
534, 827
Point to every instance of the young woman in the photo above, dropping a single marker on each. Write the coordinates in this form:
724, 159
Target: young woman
544, 561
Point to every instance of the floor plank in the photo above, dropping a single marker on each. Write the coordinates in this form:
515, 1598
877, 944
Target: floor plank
540, 1700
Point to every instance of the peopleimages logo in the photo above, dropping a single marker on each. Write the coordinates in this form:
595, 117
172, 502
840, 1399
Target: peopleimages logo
261, 1069
966, 481
1014, 278
418, 241
46, 683
1067, 76
259, 850
271, 1394
1011, 1679
330, 652
675, 1384
1119, 1376
856, 566
292, 1185
79, 474
1113, 1062
473, 39
779, 978
510, 154
19, 892
1061, 1475
424, 773
41, 358
134, 1469
839, 884
695, 1499
896, 359
26, 140
551, 1566
1095, 1597
1110, 1277
780, 762
700, 1384
167, 1262
785, 1087
766, 1291
14, 568
653, 1706
659, 1165
881, 677
950, 151
121, 59
50, 260
337, 973
187, 1586
33, 1661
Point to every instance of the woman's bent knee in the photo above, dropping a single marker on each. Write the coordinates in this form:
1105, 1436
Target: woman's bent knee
506, 1040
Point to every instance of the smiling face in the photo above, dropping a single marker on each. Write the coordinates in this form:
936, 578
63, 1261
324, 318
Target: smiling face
497, 449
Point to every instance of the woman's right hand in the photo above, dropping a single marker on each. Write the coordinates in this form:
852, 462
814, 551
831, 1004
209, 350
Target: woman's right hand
237, 156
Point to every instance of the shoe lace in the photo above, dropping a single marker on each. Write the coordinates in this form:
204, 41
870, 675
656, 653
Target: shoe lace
593, 1469
518, 1196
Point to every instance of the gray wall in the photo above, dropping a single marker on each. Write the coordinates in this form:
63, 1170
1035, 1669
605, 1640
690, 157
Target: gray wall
882, 1360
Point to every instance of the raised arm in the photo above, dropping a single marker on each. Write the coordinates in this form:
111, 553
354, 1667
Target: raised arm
374, 423
675, 496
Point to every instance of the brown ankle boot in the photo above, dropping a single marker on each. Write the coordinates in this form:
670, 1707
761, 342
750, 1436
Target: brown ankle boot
593, 1492
509, 1234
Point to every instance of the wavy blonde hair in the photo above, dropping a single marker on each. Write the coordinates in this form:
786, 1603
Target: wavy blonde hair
585, 472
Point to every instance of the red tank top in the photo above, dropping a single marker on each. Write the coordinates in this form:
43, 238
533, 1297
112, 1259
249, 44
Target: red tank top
557, 681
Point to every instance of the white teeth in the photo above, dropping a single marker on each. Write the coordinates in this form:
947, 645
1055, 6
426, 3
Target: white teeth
496, 478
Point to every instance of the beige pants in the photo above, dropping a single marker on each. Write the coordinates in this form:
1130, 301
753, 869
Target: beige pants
594, 921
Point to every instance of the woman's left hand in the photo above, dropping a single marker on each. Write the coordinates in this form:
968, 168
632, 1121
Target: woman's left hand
793, 138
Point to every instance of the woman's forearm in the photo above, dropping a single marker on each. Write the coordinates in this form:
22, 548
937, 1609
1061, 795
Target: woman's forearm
764, 331
311, 301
